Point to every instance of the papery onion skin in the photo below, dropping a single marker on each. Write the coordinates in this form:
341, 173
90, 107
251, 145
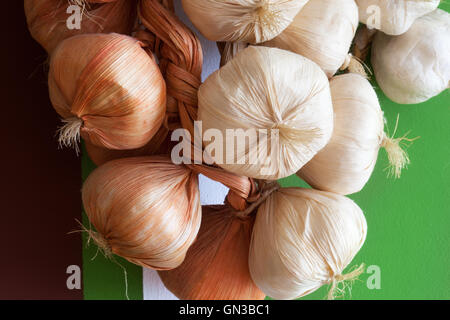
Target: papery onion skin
395, 17
241, 20
146, 209
47, 19
346, 163
272, 90
322, 32
302, 239
216, 265
415, 66
112, 87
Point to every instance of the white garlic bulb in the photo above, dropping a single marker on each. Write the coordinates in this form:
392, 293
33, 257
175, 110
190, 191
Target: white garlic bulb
415, 66
322, 32
252, 21
393, 17
281, 99
345, 165
303, 239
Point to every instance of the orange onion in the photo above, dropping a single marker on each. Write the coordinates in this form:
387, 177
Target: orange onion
145, 209
111, 93
216, 265
47, 19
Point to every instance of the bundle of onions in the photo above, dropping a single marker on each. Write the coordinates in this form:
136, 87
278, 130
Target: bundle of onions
345, 165
252, 21
393, 17
415, 66
216, 265
322, 32
47, 19
111, 93
281, 99
303, 239
144, 209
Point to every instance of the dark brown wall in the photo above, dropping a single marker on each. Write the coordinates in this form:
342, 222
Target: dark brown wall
40, 186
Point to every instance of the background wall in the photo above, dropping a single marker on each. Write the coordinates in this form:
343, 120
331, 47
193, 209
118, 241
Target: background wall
40, 186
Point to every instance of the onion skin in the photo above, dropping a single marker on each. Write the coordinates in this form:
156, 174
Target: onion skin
216, 265
113, 89
46, 20
145, 209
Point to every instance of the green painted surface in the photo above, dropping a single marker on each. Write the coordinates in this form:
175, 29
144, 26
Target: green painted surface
103, 278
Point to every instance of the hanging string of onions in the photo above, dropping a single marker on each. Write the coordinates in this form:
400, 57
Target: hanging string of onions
125, 94
47, 19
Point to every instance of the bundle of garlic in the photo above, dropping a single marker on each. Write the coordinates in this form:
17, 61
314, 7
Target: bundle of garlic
303, 239
277, 101
345, 165
111, 93
322, 32
216, 265
393, 17
144, 209
415, 66
252, 21
48, 20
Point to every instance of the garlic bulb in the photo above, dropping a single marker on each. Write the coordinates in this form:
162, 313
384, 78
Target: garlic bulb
346, 163
111, 93
279, 98
216, 265
415, 66
48, 19
252, 21
146, 210
303, 239
393, 17
322, 32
